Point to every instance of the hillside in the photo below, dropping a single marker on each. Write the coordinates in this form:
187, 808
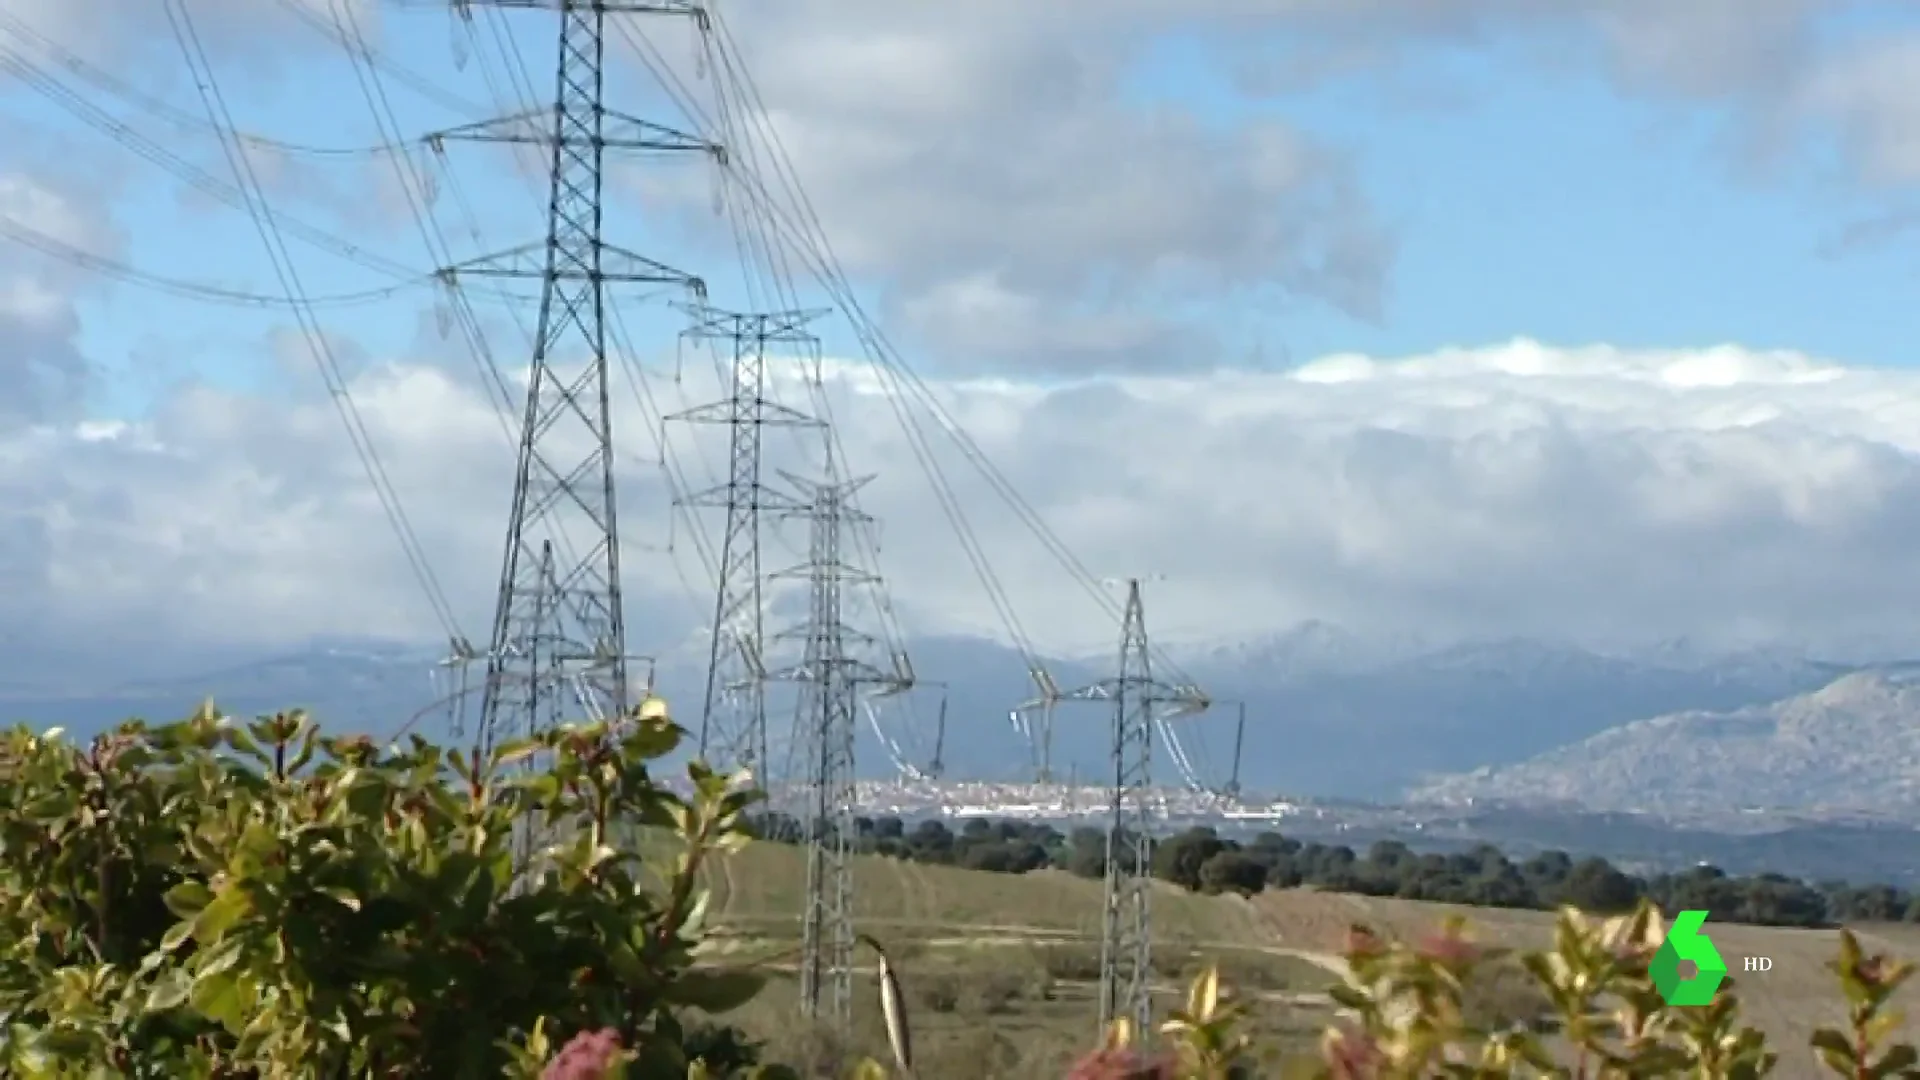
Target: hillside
1328, 713
1020, 949
1853, 743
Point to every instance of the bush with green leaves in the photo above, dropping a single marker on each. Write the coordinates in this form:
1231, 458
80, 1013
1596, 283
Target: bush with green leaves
216, 898
1407, 1015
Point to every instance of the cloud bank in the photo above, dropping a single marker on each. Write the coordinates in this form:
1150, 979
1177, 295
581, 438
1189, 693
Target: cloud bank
1058, 223
1597, 494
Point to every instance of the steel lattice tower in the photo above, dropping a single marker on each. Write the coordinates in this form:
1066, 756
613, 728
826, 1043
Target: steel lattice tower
733, 722
563, 476
1126, 945
832, 676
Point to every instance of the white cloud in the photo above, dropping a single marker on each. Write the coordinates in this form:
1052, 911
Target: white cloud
138, 37
990, 173
1598, 494
988, 157
42, 373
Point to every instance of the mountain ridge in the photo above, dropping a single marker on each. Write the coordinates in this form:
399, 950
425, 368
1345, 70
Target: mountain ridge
1851, 744
1329, 712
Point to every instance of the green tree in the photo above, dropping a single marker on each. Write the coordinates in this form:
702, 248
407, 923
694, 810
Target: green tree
1596, 885
1233, 871
1179, 858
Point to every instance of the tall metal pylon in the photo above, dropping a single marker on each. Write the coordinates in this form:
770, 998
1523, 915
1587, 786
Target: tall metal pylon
563, 484
733, 721
1140, 702
832, 677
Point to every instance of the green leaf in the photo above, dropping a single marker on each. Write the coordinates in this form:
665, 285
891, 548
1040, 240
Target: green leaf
217, 997
49, 808
715, 990
366, 793
170, 992
1833, 1046
220, 960
188, 898
1348, 997
650, 743
513, 753
176, 935
227, 907
1896, 1062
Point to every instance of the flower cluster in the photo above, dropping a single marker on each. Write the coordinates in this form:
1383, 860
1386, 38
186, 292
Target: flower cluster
587, 1056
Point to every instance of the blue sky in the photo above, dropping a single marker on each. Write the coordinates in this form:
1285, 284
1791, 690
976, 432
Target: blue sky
1546, 203
1153, 197
1534, 201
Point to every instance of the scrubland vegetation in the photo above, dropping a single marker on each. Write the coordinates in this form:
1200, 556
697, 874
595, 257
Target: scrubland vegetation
250, 899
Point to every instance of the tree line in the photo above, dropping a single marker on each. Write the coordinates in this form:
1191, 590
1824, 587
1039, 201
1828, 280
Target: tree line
1201, 860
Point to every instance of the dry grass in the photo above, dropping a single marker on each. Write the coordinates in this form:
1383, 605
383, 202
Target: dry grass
1000, 967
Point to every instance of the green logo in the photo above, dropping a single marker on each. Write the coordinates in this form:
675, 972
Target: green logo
1684, 943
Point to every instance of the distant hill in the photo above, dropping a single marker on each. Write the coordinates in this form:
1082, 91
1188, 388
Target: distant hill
1372, 727
1852, 744
1329, 713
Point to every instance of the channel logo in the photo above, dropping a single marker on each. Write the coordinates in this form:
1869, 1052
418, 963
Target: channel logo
1687, 969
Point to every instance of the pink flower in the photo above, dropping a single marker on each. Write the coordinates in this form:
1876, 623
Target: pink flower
587, 1056
1121, 1064
1351, 1055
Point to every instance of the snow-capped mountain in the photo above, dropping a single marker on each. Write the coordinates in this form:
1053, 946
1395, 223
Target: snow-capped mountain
1309, 648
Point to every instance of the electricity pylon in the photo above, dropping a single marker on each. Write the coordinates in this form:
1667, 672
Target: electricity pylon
832, 676
1043, 706
733, 722
563, 483
1140, 702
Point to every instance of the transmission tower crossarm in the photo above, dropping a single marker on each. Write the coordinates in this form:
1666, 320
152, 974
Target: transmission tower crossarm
721, 497
765, 414
788, 326
531, 261
619, 131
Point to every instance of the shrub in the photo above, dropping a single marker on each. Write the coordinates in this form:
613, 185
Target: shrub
213, 898
1411, 1014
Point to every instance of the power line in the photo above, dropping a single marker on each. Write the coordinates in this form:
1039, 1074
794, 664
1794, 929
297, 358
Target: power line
55, 248
800, 230
248, 186
235, 195
100, 78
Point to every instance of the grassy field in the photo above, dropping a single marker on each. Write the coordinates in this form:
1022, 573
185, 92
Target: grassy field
1000, 968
